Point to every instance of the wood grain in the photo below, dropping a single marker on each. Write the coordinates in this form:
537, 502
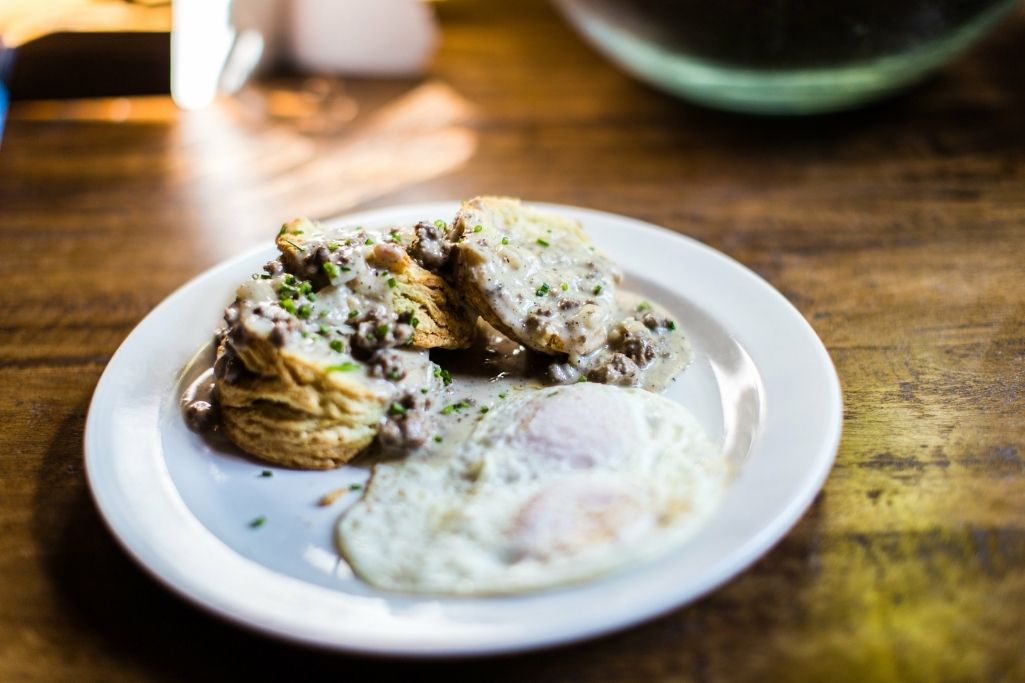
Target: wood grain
898, 231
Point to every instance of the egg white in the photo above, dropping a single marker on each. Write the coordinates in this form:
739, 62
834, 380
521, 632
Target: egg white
552, 486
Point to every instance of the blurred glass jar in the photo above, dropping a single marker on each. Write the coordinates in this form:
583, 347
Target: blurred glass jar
782, 56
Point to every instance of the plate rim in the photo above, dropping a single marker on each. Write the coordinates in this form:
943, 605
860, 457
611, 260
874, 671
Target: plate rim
740, 559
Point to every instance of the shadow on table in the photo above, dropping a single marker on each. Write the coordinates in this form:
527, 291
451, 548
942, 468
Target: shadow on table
116, 609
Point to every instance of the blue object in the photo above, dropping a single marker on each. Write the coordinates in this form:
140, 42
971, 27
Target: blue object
3, 109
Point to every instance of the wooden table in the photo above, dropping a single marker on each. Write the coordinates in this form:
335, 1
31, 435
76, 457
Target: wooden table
898, 231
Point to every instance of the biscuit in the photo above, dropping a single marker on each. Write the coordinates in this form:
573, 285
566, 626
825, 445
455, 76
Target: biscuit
533, 276
444, 322
311, 361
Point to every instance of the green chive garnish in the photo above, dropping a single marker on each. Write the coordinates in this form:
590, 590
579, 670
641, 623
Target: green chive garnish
597, 289
505, 240
543, 289
542, 242
331, 269
347, 366
478, 228
454, 407
258, 522
337, 345
392, 283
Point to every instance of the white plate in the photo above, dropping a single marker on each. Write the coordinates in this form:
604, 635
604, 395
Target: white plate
762, 382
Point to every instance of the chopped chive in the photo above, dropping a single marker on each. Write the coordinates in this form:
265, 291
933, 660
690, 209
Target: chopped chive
454, 407
290, 279
582, 379
671, 325
283, 230
564, 286
332, 246
288, 305
505, 240
444, 374
305, 288
353, 313
392, 283
597, 289
543, 289
424, 390
484, 410
369, 241
502, 395
293, 245
311, 296
382, 330
395, 237
440, 224
266, 473
304, 311
394, 374
397, 409
324, 330
347, 366
414, 321
355, 487
258, 522
331, 269
265, 276
542, 242
644, 306
478, 228
437, 438
337, 345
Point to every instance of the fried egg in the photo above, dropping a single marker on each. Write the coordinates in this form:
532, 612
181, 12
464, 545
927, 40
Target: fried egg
550, 487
